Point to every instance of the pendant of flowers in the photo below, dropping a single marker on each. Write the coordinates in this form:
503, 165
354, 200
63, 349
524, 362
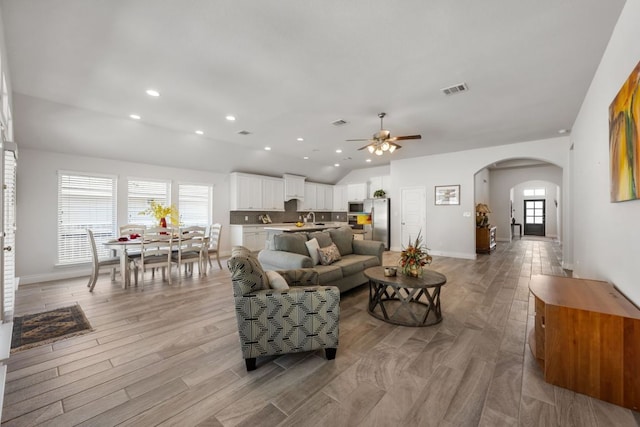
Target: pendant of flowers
414, 257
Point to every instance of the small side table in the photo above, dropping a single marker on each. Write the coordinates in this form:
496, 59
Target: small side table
515, 224
404, 300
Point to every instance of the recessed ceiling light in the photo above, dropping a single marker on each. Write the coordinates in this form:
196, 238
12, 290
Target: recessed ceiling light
336, 165
267, 148
368, 160
338, 151
199, 132
300, 139
231, 118
562, 131
135, 116
306, 157
153, 92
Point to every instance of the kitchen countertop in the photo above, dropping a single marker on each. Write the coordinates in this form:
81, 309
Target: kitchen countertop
291, 228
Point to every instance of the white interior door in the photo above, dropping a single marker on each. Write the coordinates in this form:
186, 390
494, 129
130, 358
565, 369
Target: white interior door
413, 214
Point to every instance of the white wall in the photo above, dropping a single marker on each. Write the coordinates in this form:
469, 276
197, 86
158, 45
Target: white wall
449, 231
503, 180
37, 205
363, 175
483, 187
606, 235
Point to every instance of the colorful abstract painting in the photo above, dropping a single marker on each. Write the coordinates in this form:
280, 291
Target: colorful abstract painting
624, 140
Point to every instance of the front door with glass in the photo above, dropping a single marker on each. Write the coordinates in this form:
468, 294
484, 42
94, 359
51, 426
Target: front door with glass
534, 217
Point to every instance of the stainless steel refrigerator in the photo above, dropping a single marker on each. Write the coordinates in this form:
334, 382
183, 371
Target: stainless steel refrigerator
380, 210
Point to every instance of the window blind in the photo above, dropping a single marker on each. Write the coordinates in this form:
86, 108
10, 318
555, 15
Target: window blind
10, 231
140, 194
84, 201
194, 204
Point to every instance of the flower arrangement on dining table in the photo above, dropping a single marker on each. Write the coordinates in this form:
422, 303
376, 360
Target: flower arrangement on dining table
414, 257
160, 212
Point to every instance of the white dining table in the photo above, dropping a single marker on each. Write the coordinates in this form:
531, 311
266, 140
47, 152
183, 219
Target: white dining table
123, 246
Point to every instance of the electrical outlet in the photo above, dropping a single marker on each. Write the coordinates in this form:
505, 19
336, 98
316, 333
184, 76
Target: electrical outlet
246, 217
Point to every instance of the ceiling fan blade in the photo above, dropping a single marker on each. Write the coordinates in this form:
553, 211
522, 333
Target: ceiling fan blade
362, 148
365, 139
400, 138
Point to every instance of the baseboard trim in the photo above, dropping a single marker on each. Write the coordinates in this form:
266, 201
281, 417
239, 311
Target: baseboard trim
463, 255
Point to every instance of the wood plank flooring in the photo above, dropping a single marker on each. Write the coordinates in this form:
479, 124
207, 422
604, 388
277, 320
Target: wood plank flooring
170, 356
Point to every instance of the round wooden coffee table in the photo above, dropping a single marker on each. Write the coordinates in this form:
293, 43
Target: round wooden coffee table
404, 300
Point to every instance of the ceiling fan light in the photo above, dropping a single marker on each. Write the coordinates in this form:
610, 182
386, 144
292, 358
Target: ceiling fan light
371, 148
379, 152
385, 146
392, 148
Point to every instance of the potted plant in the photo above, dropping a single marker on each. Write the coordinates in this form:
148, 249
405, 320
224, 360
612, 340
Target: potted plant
378, 194
414, 257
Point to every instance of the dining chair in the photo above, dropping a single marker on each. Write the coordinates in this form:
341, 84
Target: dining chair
112, 262
155, 252
214, 244
191, 249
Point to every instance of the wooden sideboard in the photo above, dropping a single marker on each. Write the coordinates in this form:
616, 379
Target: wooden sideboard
587, 338
485, 239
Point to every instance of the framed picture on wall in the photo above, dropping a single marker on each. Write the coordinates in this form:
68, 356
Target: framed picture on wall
624, 140
447, 194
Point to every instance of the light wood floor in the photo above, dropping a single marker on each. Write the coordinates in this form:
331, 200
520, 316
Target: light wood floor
170, 356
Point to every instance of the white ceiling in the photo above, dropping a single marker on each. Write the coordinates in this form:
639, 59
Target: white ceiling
287, 69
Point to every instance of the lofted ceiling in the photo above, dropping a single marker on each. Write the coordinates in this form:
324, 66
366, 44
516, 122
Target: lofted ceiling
287, 69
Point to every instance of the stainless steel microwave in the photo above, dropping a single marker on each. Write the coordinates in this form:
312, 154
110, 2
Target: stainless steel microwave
356, 207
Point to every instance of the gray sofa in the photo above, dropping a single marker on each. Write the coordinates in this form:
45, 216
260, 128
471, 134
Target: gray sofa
288, 251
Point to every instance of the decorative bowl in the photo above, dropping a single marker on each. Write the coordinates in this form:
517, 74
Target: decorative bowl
299, 224
390, 271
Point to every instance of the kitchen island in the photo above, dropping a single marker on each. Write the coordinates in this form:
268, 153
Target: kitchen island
292, 228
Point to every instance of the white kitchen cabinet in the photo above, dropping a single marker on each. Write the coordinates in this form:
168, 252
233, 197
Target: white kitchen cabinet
357, 192
256, 192
293, 187
272, 194
245, 191
340, 199
328, 198
309, 202
252, 237
324, 197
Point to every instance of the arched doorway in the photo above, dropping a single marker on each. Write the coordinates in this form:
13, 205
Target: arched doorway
501, 186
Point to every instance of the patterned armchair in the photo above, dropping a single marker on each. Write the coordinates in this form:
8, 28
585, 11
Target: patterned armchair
302, 317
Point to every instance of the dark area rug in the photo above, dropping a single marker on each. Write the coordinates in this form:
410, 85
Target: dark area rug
32, 330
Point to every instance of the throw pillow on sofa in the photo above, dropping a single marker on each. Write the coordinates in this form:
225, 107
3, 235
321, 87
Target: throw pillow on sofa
329, 255
276, 281
291, 242
343, 238
312, 247
323, 237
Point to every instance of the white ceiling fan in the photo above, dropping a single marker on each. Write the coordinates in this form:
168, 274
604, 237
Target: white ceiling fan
383, 141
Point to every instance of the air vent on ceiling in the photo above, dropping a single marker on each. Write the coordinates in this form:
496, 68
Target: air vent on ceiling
339, 122
244, 132
452, 90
